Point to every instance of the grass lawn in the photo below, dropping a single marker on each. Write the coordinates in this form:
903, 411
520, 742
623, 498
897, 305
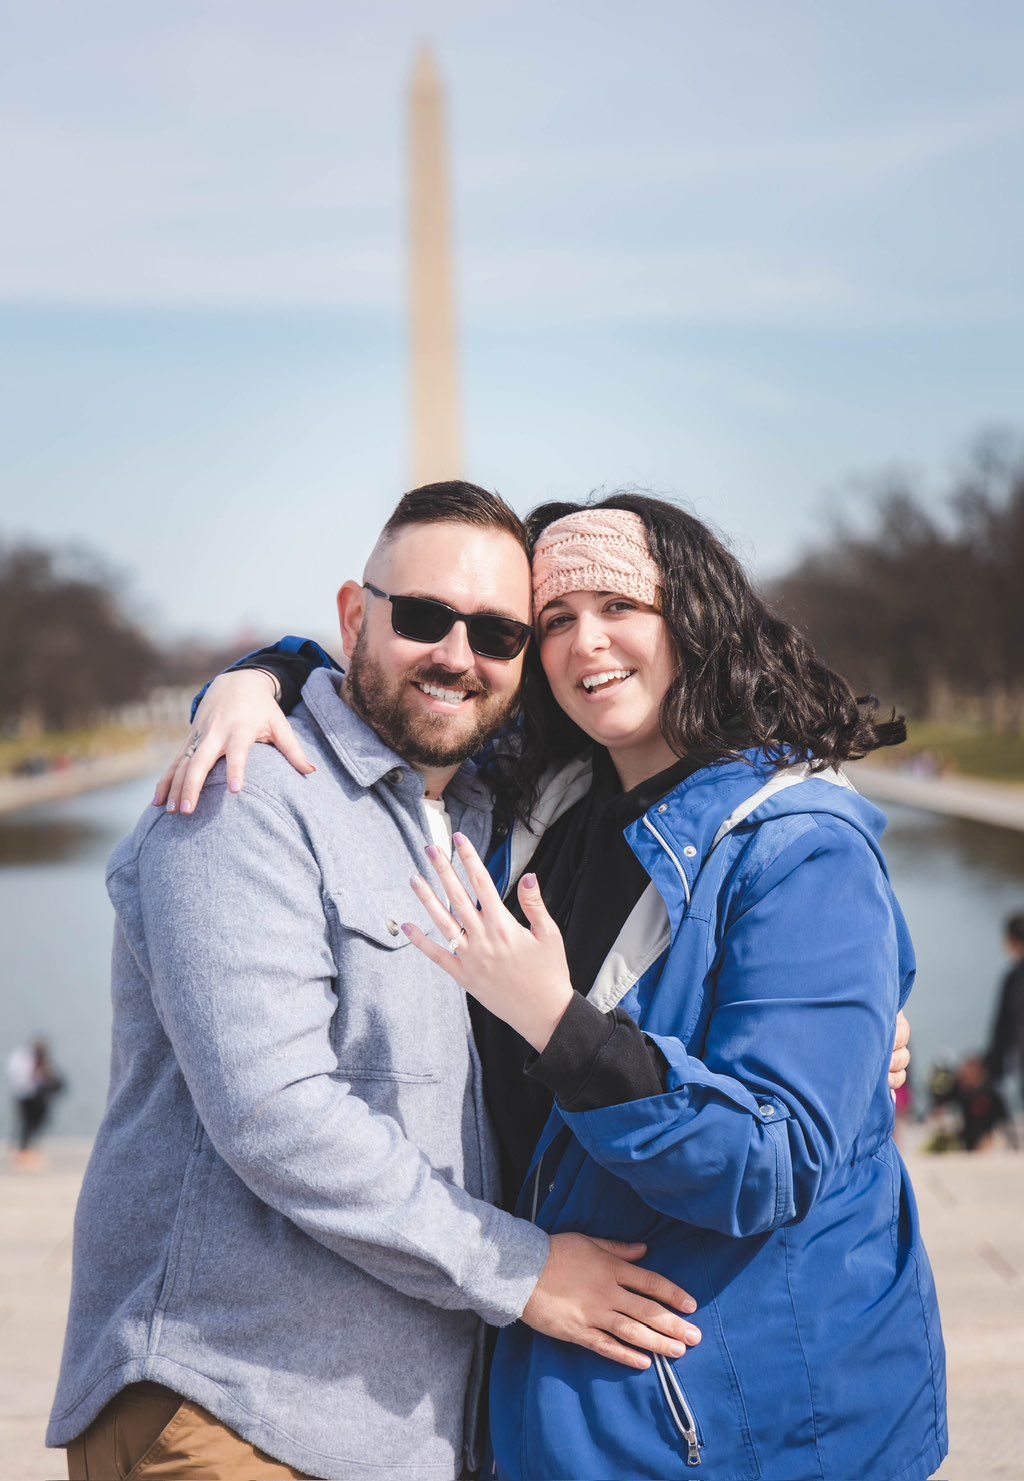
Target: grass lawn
77, 745
977, 753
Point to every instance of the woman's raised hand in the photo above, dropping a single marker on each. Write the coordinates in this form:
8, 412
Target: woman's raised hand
237, 710
518, 973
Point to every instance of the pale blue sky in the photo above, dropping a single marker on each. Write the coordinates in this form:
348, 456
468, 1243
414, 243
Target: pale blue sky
735, 252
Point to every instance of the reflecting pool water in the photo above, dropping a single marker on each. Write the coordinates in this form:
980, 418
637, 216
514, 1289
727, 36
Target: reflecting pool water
957, 882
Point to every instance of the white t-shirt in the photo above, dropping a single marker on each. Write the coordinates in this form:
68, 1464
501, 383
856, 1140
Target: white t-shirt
440, 825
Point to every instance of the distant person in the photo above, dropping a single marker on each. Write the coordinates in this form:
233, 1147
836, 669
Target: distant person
34, 1084
943, 1117
903, 1103
982, 1108
1007, 1043
941, 1087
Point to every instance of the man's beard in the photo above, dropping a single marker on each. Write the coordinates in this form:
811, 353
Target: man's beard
422, 738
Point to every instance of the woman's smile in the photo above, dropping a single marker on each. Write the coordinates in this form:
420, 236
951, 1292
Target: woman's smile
604, 682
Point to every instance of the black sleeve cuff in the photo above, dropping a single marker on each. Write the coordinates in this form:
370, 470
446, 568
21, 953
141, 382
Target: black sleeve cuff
596, 1059
291, 670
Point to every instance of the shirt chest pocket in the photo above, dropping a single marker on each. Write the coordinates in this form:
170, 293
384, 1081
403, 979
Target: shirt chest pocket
399, 1018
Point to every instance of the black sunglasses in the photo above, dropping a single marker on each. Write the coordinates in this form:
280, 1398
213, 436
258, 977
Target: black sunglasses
426, 621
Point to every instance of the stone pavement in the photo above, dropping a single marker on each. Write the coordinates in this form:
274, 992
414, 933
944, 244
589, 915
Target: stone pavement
36, 1210
972, 1209
20, 792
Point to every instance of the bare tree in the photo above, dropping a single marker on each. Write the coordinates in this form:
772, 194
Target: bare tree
68, 648
927, 609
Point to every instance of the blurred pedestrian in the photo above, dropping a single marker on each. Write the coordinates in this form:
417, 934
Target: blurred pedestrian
34, 1084
944, 1118
1006, 1046
903, 1103
982, 1108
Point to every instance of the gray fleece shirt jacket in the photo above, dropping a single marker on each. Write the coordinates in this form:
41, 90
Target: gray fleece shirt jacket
286, 1217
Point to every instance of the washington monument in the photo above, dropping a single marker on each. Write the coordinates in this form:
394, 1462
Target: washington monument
434, 379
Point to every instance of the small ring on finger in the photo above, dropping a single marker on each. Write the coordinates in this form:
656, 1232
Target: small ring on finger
456, 941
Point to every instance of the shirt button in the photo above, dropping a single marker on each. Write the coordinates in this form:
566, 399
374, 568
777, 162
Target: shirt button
767, 1110
393, 927
551, 1187
395, 776
689, 852
663, 807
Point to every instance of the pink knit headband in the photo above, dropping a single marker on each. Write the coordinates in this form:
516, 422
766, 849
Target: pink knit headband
594, 550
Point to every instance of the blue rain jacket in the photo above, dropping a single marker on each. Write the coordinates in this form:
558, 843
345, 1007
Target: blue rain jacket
767, 960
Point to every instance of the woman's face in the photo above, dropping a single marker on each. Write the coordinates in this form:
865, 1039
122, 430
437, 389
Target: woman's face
609, 660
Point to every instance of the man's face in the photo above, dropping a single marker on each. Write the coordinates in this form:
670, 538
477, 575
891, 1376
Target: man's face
472, 570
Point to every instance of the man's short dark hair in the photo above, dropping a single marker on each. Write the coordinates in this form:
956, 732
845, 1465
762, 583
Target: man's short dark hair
456, 502
1015, 929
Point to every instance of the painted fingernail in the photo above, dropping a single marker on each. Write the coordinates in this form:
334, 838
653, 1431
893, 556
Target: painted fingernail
234, 785
416, 881
530, 881
460, 840
433, 852
186, 806
172, 806
407, 928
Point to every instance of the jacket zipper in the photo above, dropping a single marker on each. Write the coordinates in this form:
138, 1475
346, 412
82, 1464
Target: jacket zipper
536, 1192
679, 868
679, 1409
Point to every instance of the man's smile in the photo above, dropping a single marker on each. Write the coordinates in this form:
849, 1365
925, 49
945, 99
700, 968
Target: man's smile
444, 698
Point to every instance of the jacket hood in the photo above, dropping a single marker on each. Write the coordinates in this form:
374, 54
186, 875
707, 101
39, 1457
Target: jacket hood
727, 795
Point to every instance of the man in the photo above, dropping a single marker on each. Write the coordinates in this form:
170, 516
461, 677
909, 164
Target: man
1007, 1045
286, 1244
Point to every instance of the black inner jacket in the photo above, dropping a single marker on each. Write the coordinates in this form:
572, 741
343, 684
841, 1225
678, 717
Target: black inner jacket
590, 880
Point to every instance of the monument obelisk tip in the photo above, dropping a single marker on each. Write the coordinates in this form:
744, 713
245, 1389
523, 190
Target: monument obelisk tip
424, 69
433, 371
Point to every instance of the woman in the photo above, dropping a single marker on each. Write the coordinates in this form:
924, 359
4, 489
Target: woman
742, 958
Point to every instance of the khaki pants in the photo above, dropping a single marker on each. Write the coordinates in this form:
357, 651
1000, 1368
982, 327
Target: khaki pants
148, 1431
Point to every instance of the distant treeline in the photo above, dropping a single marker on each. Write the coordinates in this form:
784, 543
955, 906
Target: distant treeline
70, 649
67, 646
923, 603
919, 600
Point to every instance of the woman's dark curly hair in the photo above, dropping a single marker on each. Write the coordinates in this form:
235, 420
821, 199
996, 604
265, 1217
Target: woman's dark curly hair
745, 678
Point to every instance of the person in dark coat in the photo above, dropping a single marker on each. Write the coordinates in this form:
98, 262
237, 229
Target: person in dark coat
1006, 1046
982, 1109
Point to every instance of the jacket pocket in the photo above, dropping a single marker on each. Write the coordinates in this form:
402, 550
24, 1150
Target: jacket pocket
397, 1019
141, 1416
578, 1414
679, 1410
189, 1225
359, 1073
